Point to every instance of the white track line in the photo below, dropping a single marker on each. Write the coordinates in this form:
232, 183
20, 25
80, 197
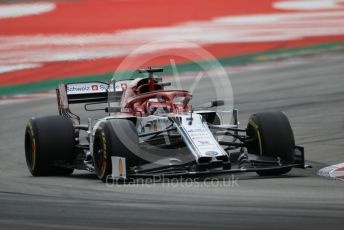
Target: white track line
25, 9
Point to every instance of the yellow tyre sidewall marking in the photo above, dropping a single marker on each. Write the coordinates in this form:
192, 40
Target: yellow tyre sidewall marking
255, 126
103, 166
34, 147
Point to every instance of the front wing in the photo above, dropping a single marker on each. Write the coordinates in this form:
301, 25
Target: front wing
180, 170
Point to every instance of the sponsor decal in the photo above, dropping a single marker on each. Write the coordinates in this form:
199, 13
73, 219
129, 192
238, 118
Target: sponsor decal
211, 153
84, 88
118, 168
124, 86
201, 137
121, 86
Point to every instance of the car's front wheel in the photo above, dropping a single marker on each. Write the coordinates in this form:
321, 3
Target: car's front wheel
273, 138
116, 137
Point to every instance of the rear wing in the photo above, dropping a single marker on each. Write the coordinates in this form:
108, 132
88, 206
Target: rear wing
76, 93
83, 92
88, 92
93, 92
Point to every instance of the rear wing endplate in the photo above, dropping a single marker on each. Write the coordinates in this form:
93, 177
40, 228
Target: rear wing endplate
76, 93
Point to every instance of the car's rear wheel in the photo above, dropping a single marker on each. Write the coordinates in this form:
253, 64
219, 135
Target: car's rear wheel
273, 138
49, 140
117, 137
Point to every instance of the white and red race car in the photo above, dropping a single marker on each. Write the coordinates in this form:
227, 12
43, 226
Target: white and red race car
147, 131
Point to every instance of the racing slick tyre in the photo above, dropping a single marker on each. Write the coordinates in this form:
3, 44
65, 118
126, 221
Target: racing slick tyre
47, 140
273, 137
116, 137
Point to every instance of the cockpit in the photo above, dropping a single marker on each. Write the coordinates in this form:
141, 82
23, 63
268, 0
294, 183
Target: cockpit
147, 96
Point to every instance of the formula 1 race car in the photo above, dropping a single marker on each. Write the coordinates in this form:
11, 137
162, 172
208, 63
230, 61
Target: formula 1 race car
149, 131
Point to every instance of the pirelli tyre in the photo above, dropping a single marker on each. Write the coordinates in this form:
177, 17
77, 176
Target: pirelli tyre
115, 137
49, 140
273, 137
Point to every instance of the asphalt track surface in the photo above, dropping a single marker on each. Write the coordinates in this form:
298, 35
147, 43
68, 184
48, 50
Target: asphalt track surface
311, 93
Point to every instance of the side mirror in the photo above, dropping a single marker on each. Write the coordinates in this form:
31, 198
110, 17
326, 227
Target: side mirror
165, 83
113, 109
94, 106
211, 104
217, 103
